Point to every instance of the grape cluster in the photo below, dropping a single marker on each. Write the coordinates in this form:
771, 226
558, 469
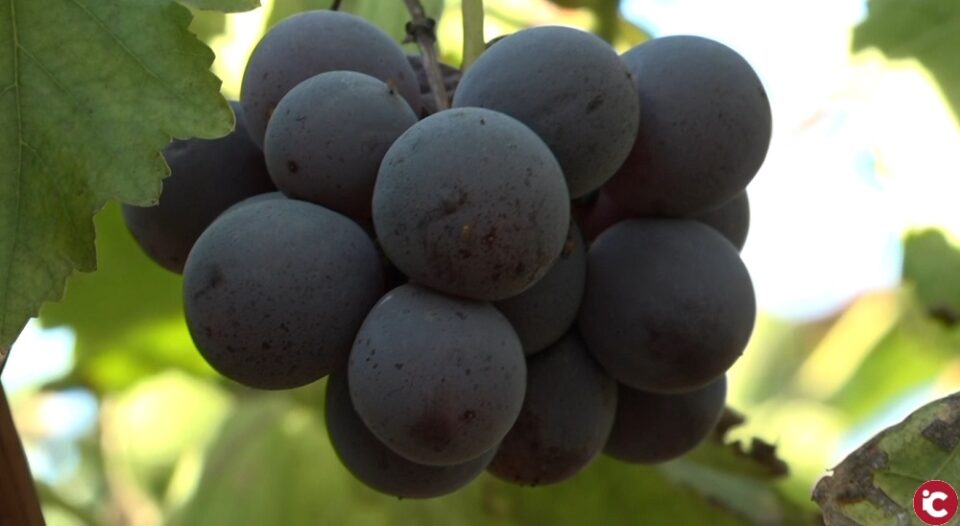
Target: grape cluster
547, 271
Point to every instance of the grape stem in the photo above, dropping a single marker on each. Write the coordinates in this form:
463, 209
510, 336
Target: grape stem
336, 5
422, 30
473, 42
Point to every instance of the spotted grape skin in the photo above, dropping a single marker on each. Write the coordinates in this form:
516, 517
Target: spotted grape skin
544, 312
275, 291
206, 178
315, 42
451, 78
705, 126
439, 380
472, 203
571, 88
328, 135
732, 219
668, 306
376, 465
566, 417
651, 428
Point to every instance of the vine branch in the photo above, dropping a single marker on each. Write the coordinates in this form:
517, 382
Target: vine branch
422, 30
19, 503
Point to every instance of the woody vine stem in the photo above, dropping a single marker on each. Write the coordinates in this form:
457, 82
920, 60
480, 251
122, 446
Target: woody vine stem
422, 30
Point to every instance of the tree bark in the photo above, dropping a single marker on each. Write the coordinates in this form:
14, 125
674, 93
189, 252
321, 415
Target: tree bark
19, 505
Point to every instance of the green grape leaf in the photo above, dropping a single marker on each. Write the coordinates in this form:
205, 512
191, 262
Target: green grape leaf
90, 92
756, 459
226, 6
927, 30
121, 337
876, 483
916, 347
932, 265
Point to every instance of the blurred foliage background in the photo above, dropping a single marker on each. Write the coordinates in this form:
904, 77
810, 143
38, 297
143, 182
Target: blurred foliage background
852, 248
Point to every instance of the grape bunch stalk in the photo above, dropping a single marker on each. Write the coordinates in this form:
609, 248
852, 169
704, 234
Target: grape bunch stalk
537, 268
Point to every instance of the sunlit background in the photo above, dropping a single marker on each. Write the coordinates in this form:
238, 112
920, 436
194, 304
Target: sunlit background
124, 424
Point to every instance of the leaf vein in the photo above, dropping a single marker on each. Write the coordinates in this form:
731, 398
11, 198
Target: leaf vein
946, 461
57, 181
5, 292
106, 29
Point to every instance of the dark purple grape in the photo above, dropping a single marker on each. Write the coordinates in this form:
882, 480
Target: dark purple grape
668, 306
439, 380
275, 291
705, 127
472, 203
599, 216
451, 78
315, 42
652, 428
544, 312
565, 420
732, 219
258, 198
376, 465
571, 88
206, 178
328, 135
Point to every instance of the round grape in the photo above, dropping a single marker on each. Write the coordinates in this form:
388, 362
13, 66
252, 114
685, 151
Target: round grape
705, 127
439, 380
472, 203
732, 219
206, 178
571, 88
668, 306
275, 291
315, 42
376, 465
652, 428
328, 135
544, 312
565, 420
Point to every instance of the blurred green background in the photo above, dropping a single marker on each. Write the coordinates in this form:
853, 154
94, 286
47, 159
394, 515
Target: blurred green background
851, 248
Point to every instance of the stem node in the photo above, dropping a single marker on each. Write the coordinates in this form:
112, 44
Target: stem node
422, 30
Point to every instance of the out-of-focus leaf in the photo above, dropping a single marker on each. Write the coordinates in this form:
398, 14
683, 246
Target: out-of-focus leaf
271, 464
84, 110
629, 34
150, 426
283, 9
128, 317
391, 16
876, 483
927, 30
932, 265
274, 457
739, 478
208, 24
913, 353
227, 6
781, 350
757, 459
850, 341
